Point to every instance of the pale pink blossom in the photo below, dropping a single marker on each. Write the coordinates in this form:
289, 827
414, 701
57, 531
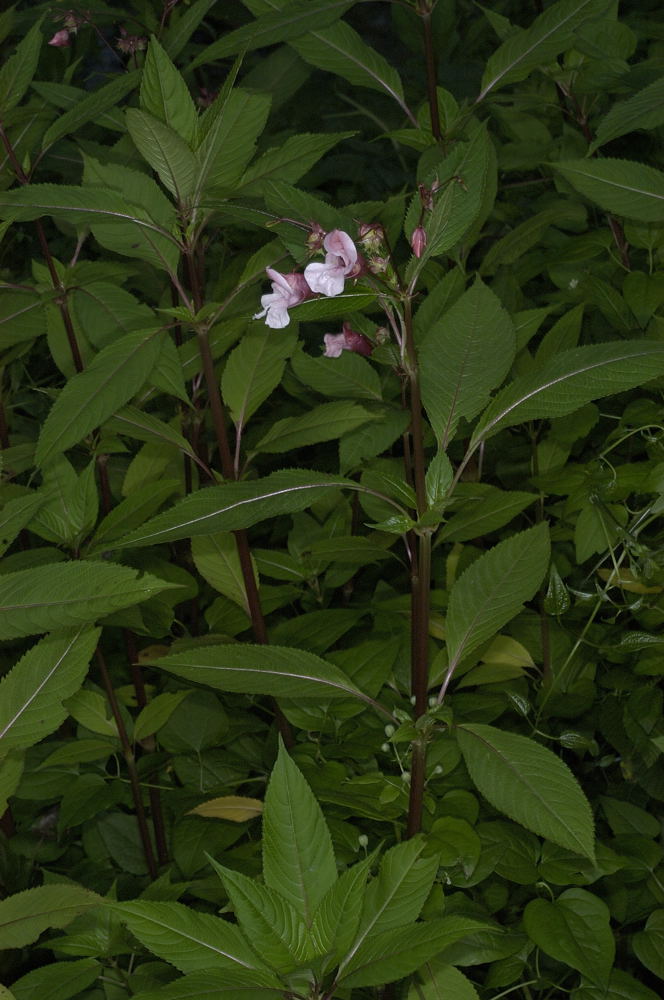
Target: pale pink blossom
60, 39
341, 261
347, 340
418, 240
288, 290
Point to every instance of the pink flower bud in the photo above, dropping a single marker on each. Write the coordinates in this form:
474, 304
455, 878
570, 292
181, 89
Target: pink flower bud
60, 39
418, 240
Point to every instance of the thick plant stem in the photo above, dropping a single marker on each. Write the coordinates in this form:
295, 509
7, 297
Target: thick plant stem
130, 761
420, 584
432, 76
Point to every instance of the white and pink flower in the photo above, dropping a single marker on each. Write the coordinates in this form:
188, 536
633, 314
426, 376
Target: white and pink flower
347, 340
341, 261
288, 290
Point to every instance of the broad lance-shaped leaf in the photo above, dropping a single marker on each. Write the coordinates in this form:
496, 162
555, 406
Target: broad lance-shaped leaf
15, 515
463, 357
31, 694
24, 916
92, 396
337, 919
229, 130
528, 783
443, 982
298, 860
621, 186
644, 110
321, 423
493, 590
290, 161
57, 980
165, 95
165, 151
187, 939
213, 984
571, 380
277, 670
266, 917
299, 17
236, 505
91, 107
574, 929
253, 370
69, 594
19, 69
549, 35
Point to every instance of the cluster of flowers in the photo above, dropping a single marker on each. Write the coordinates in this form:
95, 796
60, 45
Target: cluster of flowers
342, 261
73, 21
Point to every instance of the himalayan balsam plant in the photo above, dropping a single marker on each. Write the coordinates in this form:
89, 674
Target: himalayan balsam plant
331, 580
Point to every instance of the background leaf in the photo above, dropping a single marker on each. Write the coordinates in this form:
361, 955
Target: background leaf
621, 186
24, 916
574, 929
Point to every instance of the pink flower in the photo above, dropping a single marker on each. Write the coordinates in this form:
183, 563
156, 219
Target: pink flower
347, 340
341, 262
418, 240
60, 39
287, 290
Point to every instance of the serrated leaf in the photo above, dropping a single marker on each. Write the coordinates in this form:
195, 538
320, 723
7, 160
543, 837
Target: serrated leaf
91, 107
290, 161
571, 380
279, 26
57, 980
574, 929
21, 317
19, 69
181, 28
229, 129
254, 368
485, 512
336, 921
265, 917
340, 50
229, 984
189, 940
443, 982
549, 35
237, 808
69, 594
133, 511
24, 916
237, 505
165, 95
648, 944
92, 396
644, 110
281, 671
463, 358
493, 590
528, 783
144, 427
621, 186
348, 376
322, 423
156, 713
15, 515
11, 771
167, 153
217, 560
298, 860
31, 694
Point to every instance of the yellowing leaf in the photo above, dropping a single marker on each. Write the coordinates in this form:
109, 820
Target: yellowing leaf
627, 581
237, 808
153, 652
504, 649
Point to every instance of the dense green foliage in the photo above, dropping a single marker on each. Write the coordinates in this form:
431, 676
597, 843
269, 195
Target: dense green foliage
331, 639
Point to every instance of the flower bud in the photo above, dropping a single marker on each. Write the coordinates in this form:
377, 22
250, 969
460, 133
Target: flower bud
60, 39
389, 730
363, 840
418, 240
371, 235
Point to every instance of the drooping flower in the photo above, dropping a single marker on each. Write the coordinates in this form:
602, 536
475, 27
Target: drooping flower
418, 240
341, 261
287, 290
347, 340
60, 39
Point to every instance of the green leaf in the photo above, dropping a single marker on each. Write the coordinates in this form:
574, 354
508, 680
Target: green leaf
279, 26
156, 713
648, 944
182, 24
229, 130
337, 919
69, 594
237, 505
31, 694
91, 107
493, 589
443, 982
340, 50
348, 376
644, 110
483, 510
268, 919
92, 396
189, 940
216, 559
168, 154
165, 95
57, 980
621, 186
290, 161
15, 515
118, 224
464, 356
322, 423
333, 306
280, 671
11, 771
519, 241
133, 511
621, 986
397, 895
230, 984
134, 423
571, 380
19, 69
24, 916
529, 784
550, 34
574, 929
21, 317
298, 860
253, 370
